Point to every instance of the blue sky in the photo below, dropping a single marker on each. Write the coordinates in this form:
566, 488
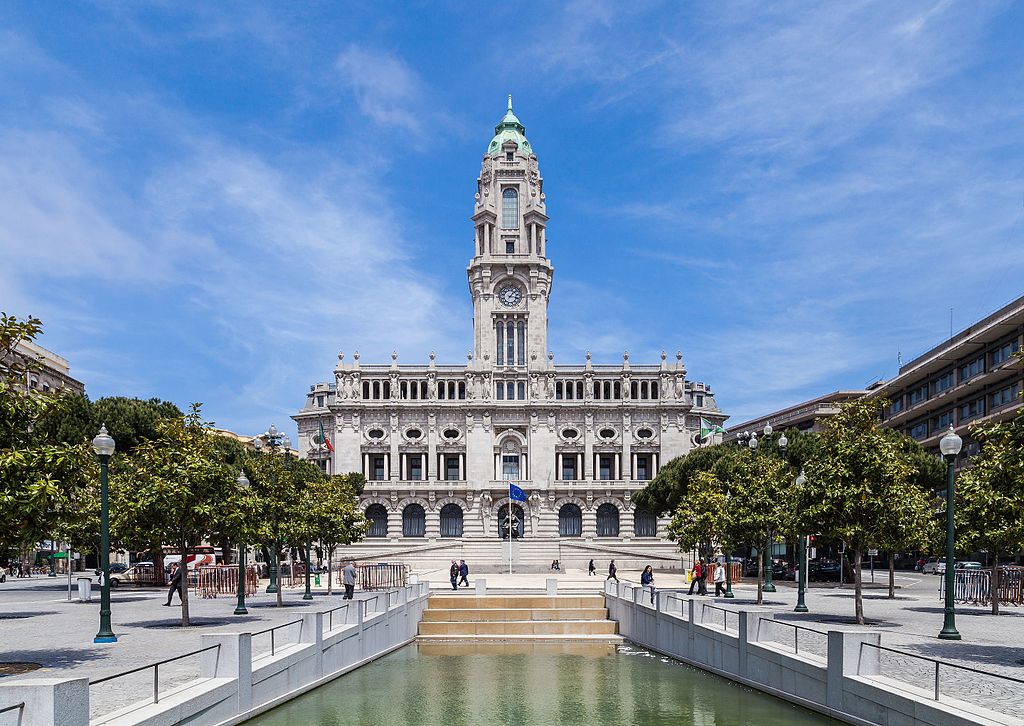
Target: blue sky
207, 203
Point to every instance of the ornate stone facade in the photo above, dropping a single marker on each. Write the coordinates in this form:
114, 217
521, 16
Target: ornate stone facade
438, 443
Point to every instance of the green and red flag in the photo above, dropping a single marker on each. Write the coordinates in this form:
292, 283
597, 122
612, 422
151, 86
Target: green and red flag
323, 440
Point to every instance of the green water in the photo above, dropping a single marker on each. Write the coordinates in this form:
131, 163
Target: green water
533, 685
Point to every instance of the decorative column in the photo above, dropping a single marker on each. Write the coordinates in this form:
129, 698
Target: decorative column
462, 467
423, 467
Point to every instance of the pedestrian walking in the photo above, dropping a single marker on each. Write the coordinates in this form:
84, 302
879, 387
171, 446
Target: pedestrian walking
463, 572
348, 578
647, 580
611, 572
697, 575
592, 569
176, 585
453, 573
720, 579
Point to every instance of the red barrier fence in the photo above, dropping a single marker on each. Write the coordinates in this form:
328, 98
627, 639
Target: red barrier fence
737, 571
380, 576
214, 580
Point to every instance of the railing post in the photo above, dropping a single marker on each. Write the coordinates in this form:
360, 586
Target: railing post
156, 683
233, 659
48, 701
360, 618
849, 654
936, 680
313, 633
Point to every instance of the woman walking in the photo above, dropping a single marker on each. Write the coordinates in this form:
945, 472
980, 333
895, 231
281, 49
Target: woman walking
593, 568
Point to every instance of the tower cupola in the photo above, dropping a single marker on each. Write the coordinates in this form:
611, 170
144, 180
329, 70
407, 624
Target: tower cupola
510, 128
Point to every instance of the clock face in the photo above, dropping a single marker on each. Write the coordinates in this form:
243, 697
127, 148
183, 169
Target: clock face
510, 296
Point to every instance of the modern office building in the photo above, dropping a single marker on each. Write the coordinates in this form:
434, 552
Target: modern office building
970, 378
806, 416
438, 444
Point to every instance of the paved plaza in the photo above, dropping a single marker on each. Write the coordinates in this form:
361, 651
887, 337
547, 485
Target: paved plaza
39, 625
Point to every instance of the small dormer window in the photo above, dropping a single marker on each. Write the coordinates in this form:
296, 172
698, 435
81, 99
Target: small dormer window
510, 156
510, 247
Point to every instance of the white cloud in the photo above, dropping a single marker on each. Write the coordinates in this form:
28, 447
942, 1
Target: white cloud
386, 89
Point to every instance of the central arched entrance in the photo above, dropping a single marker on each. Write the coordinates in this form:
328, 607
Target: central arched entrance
517, 521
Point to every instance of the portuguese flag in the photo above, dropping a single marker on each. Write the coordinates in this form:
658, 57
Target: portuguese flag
707, 428
323, 440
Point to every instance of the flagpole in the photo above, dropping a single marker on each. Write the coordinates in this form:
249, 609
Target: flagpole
510, 524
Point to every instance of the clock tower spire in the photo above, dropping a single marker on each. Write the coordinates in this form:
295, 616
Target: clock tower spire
510, 274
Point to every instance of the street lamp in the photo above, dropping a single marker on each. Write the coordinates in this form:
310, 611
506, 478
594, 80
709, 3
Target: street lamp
104, 446
949, 445
243, 484
801, 558
728, 556
769, 584
274, 440
308, 595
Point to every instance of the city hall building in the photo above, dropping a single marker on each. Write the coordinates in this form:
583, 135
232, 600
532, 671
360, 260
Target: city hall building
438, 444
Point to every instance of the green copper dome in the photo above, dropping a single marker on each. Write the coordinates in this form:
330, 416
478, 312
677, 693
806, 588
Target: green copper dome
509, 128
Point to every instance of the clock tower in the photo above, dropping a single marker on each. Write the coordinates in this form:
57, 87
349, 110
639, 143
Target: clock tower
510, 274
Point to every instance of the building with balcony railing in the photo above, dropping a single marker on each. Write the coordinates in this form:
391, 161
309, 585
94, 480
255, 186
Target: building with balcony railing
438, 444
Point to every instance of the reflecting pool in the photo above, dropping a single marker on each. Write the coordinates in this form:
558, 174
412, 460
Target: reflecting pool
533, 685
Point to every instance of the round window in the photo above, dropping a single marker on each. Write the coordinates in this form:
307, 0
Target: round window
451, 433
413, 434
607, 433
375, 433
570, 433
644, 434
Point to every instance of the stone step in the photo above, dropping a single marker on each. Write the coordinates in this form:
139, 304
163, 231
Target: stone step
467, 601
556, 627
512, 614
523, 640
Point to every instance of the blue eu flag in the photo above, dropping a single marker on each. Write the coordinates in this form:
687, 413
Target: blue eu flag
515, 493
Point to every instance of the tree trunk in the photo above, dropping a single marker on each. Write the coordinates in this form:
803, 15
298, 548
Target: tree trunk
892, 576
330, 569
760, 577
280, 581
994, 584
858, 595
184, 586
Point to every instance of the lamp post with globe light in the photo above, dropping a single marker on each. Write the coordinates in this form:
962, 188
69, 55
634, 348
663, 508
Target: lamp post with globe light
103, 445
752, 444
240, 609
949, 445
274, 439
801, 559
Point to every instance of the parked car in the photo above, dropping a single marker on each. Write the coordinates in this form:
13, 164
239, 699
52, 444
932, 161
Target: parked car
140, 574
967, 566
117, 567
931, 567
823, 570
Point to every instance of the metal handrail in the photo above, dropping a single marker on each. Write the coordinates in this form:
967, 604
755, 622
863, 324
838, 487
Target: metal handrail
330, 615
937, 663
725, 614
156, 669
18, 706
796, 631
271, 631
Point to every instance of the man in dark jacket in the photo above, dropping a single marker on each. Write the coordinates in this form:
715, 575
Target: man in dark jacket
453, 573
611, 572
463, 572
175, 584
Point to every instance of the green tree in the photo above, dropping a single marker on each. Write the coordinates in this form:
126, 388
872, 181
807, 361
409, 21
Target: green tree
700, 520
672, 482
75, 419
173, 489
859, 487
760, 506
330, 513
990, 496
36, 476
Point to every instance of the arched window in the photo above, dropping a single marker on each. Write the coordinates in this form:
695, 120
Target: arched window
499, 329
645, 524
378, 517
521, 341
414, 521
451, 520
517, 518
570, 521
510, 209
607, 520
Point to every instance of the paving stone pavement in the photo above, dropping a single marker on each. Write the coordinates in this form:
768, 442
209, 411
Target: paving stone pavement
910, 623
39, 625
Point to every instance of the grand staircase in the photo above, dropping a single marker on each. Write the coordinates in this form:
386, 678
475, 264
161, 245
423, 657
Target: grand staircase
517, 618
